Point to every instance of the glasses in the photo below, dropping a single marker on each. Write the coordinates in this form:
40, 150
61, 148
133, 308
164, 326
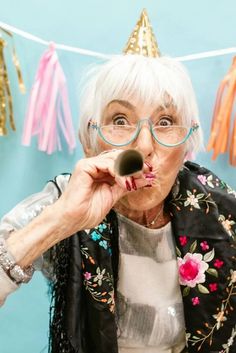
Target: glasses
123, 135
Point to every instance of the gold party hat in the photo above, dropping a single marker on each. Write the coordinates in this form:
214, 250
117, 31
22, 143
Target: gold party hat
142, 40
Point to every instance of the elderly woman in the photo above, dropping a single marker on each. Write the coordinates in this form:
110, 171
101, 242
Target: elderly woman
140, 263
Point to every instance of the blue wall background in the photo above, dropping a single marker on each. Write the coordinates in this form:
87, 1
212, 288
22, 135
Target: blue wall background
182, 27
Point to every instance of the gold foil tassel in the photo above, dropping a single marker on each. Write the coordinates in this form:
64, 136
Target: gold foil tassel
5, 94
16, 62
6, 103
3, 113
18, 70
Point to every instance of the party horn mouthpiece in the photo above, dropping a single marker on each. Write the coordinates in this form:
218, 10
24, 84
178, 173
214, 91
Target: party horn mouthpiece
128, 162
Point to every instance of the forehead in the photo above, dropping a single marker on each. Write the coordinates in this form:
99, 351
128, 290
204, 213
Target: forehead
135, 105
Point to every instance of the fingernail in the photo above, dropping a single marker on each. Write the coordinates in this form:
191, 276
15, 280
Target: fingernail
127, 184
134, 186
149, 166
150, 176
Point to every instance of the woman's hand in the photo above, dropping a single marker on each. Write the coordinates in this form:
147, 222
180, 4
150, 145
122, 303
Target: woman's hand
93, 190
90, 194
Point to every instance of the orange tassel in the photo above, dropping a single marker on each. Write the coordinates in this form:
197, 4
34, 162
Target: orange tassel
221, 139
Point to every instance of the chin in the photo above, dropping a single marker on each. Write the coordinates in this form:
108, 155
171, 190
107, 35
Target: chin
143, 199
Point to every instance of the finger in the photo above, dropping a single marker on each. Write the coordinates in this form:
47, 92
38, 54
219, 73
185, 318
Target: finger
148, 166
97, 168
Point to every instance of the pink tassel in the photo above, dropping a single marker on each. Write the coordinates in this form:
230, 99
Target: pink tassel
49, 101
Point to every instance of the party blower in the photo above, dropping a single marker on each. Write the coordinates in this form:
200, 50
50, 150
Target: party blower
129, 162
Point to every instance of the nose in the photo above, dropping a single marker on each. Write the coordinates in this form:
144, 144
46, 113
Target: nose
144, 141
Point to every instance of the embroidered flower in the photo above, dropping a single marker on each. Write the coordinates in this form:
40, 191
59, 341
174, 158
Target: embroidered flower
87, 276
213, 287
206, 180
230, 190
95, 236
227, 224
202, 179
233, 277
192, 270
219, 318
204, 245
103, 243
102, 227
192, 200
99, 276
183, 240
218, 263
195, 301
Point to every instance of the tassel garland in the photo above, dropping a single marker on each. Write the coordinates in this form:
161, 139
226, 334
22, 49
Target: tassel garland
222, 139
48, 107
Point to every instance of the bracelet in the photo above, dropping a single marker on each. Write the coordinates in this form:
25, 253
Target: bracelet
14, 271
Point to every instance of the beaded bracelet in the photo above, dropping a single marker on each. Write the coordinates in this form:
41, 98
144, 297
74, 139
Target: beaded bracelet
14, 271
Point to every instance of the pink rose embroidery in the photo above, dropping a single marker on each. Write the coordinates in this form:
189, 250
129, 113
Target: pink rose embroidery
192, 270
195, 301
213, 287
204, 245
183, 240
218, 263
202, 179
87, 276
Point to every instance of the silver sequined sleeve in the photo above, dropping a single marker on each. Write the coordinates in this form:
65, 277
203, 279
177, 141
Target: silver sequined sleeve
25, 212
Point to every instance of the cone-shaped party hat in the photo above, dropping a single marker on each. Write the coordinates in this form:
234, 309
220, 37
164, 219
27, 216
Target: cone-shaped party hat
142, 40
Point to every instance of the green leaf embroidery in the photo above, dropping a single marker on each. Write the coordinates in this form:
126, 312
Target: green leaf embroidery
209, 256
202, 289
200, 196
193, 246
212, 271
189, 193
178, 251
186, 291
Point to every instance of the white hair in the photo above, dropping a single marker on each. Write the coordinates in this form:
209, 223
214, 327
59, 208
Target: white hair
149, 80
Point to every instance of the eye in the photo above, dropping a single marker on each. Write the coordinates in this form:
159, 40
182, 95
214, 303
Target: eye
165, 120
120, 120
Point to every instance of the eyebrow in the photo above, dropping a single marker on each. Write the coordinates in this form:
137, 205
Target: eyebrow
165, 107
125, 104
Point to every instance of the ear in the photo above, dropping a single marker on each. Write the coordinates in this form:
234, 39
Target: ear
87, 149
88, 152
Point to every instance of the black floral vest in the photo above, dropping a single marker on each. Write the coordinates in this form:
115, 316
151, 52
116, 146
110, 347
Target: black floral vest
203, 213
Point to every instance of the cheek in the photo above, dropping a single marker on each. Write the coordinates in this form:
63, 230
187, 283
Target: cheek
103, 146
168, 164
170, 159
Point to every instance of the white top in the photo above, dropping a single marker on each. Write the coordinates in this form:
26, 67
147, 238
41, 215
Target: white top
149, 305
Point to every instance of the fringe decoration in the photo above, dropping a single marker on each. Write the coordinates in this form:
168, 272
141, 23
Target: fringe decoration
221, 138
48, 107
6, 102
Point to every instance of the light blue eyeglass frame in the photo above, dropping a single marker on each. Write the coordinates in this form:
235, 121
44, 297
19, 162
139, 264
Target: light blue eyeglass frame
192, 129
